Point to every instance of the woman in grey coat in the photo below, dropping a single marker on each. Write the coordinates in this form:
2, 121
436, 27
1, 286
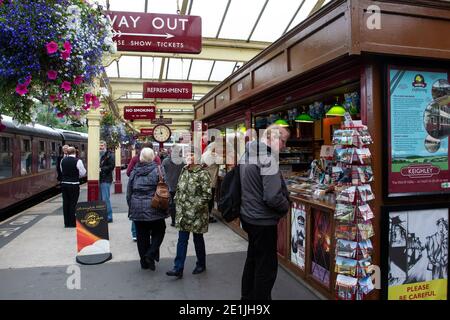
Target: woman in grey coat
140, 191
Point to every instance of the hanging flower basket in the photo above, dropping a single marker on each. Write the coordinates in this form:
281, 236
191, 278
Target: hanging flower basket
51, 50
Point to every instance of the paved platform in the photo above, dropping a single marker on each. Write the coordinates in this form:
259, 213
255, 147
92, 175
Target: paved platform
37, 261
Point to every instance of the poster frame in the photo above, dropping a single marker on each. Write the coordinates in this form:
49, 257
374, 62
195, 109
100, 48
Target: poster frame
384, 238
387, 147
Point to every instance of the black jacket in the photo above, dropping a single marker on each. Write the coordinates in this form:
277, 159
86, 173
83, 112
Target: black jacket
265, 198
107, 164
140, 191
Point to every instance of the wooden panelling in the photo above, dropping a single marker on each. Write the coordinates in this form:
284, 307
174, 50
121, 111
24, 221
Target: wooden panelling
209, 107
406, 30
241, 87
222, 98
320, 47
199, 112
270, 70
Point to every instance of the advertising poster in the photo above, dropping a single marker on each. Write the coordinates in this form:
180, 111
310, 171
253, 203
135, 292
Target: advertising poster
418, 255
92, 233
298, 234
320, 267
419, 126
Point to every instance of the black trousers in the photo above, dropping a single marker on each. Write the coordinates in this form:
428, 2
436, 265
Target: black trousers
211, 202
261, 266
150, 246
172, 208
70, 194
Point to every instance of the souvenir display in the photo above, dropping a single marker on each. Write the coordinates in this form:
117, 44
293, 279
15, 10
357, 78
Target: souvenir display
352, 174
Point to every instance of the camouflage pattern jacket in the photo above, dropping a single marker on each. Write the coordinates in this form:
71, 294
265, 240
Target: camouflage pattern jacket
191, 199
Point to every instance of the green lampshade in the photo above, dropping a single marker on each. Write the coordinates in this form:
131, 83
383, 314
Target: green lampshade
304, 117
336, 111
282, 123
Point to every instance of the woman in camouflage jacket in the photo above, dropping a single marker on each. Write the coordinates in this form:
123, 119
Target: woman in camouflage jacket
191, 200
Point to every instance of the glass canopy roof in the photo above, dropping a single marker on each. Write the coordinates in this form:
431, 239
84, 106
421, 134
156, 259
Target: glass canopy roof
245, 20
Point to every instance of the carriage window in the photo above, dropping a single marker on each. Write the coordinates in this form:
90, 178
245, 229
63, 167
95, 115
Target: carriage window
25, 157
53, 155
42, 164
5, 158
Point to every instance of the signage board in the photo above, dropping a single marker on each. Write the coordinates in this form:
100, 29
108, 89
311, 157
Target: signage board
156, 32
146, 131
139, 113
168, 90
92, 233
162, 121
418, 131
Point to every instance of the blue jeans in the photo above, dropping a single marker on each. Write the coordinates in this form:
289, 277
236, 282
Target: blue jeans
105, 196
133, 229
182, 245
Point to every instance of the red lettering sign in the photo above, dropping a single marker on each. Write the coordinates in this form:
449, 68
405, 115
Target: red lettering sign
146, 131
154, 32
420, 171
168, 90
138, 113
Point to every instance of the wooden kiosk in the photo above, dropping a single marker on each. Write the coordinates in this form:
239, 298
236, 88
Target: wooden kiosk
336, 50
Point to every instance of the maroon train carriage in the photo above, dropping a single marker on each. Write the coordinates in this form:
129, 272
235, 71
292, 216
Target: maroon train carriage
28, 157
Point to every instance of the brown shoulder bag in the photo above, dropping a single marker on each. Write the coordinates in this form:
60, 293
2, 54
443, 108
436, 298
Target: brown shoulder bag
160, 200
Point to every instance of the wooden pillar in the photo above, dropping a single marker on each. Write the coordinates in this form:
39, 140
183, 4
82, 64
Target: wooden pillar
118, 182
93, 117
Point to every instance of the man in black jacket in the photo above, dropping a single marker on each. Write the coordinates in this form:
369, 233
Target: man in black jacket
107, 165
72, 169
264, 201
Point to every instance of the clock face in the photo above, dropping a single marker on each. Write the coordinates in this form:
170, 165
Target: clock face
161, 133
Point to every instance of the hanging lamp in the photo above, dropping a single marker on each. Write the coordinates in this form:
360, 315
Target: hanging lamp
336, 110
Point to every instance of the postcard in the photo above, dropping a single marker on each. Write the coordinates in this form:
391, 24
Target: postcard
366, 230
365, 174
346, 281
363, 155
366, 193
344, 212
345, 266
345, 248
366, 284
365, 212
347, 195
344, 155
345, 231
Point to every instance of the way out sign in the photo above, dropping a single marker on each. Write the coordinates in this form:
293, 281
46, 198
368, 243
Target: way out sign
154, 32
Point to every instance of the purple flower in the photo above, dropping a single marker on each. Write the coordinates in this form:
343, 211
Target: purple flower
21, 89
52, 74
52, 47
66, 86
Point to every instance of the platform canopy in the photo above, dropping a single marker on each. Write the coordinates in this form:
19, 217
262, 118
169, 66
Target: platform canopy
233, 32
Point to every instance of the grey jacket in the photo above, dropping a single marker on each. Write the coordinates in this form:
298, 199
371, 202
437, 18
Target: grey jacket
172, 172
140, 190
265, 198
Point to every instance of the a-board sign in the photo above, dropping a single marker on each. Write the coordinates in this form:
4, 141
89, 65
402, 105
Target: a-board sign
92, 233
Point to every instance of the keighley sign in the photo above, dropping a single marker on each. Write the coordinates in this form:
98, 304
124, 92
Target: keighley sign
154, 32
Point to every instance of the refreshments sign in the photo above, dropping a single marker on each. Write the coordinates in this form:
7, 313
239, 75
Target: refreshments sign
168, 90
139, 113
155, 32
146, 131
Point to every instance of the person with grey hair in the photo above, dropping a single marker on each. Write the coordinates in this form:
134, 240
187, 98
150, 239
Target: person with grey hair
264, 201
150, 222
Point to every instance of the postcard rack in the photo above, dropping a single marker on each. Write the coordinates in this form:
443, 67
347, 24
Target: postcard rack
352, 175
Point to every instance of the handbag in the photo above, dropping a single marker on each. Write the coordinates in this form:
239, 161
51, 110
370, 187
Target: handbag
160, 200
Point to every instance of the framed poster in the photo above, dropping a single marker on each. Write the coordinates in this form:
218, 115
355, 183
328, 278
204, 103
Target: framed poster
416, 261
298, 234
418, 129
321, 247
